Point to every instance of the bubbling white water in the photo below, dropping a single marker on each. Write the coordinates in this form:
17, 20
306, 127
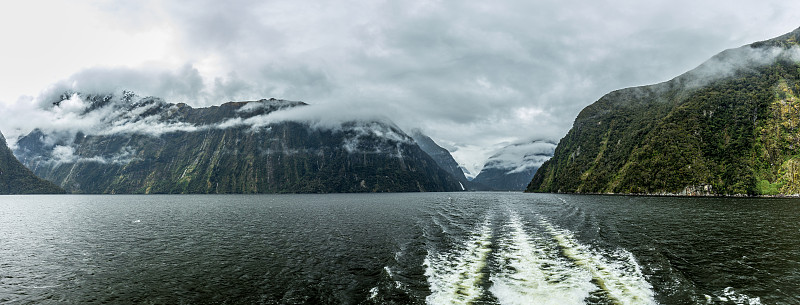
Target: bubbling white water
532, 272
618, 273
537, 264
455, 277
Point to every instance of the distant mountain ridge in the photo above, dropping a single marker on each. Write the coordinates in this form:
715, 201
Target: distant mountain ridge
146, 145
16, 179
513, 166
728, 127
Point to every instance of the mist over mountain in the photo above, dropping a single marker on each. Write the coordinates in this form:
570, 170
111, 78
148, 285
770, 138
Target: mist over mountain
469, 175
123, 143
727, 127
513, 166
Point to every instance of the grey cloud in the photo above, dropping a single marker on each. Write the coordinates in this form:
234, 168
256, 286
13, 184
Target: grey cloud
297, 80
182, 85
469, 73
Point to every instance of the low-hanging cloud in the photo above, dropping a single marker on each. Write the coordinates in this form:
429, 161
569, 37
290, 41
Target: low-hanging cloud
729, 62
62, 116
516, 158
124, 113
473, 75
357, 124
66, 154
181, 85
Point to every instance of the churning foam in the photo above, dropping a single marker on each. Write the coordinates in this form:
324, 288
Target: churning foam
531, 272
620, 277
455, 278
730, 295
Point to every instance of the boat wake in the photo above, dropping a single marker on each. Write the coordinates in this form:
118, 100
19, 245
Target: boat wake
617, 274
455, 277
532, 271
519, 263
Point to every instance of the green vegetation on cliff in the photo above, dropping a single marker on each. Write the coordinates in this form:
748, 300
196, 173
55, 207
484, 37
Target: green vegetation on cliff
149, 146
728, 127
16, 179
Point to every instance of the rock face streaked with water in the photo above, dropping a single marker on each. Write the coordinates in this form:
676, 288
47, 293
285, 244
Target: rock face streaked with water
146, 145
411, 248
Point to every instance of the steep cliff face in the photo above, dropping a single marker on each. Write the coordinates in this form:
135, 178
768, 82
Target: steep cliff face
150, 146
442, 157
512, 168
16, 179
727, 127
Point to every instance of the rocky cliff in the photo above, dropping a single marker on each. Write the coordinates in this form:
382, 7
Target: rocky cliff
728, 127
442, 157
146, 145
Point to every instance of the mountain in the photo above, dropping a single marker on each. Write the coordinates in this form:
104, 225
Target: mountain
442, 157
469, 175
129, 144
728, 127
512, 167
16, 179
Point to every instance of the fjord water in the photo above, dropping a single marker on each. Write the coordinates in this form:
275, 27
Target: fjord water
434, 248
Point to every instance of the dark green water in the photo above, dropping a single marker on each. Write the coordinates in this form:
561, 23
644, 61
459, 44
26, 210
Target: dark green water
434, 248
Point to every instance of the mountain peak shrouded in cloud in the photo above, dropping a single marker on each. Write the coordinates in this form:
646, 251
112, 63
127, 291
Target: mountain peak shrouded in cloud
133, 144
513, 166
62, 115
472, 75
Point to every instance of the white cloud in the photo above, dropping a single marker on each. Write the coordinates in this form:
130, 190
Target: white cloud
45, 41
519, 157
66, 116
472, 74
66, 154
727, 63
63, 154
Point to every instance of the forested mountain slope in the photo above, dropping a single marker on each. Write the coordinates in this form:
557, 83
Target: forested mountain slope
16, 179
728, 127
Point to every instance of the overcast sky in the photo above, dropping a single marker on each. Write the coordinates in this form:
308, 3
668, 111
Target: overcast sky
473, 75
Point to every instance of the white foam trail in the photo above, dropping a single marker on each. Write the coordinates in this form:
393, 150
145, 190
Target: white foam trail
455, 277
531, 272
730, 295
390, 273
620, 277
375, 291
440, 225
